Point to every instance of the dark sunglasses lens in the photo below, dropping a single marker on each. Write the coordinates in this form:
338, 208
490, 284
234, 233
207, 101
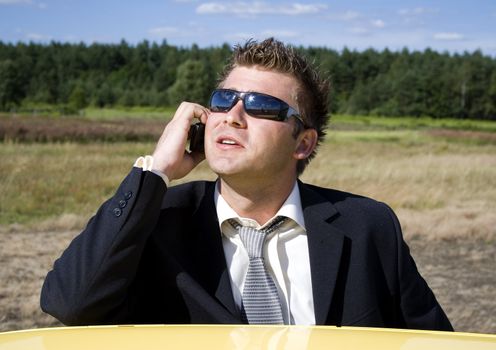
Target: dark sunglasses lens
222, 100
263, 106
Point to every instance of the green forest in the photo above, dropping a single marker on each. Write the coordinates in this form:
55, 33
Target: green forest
386, 83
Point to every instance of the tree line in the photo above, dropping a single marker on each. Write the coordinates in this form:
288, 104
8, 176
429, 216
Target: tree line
370, 82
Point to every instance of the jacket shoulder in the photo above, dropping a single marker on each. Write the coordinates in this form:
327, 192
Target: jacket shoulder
355, 214
187, 194
346, 201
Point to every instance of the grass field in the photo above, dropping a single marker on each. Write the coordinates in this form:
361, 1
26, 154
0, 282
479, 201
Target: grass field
433, 177
439, 178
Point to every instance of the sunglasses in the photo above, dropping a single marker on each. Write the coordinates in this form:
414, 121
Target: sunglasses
256, 104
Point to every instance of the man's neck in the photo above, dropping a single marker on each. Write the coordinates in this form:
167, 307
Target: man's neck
255, 201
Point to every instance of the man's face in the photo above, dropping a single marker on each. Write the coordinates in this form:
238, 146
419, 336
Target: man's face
237, 144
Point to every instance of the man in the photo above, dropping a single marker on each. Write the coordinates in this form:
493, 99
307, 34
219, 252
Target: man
257, 245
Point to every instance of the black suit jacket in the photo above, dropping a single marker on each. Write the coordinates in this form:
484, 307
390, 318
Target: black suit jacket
155, 255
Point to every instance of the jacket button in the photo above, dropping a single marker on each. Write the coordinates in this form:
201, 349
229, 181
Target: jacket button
122, 203
117, 212
128, 195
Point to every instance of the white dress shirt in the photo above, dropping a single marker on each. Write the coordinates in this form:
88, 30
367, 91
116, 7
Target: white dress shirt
285, 254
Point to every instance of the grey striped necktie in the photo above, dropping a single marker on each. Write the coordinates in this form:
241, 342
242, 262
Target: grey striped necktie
261, 304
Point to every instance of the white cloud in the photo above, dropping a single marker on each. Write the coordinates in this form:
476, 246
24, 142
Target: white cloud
359, 30
71, 38
360, 39
40, 5
163, 31
259, 8
416, 16
378, 23
279, 33
410, 12
301, 9
15, 2
239, 36
189, 30
212, 7
345, 16
449, 36
38, 37
417, 11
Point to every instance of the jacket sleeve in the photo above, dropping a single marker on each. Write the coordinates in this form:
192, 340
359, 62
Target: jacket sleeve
88, 283
418, 305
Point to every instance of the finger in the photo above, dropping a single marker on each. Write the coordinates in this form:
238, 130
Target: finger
204, 116
201, 113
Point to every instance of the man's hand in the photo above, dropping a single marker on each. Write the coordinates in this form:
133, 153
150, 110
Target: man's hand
170, 156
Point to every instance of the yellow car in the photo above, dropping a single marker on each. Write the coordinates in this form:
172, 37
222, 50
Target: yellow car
219, 337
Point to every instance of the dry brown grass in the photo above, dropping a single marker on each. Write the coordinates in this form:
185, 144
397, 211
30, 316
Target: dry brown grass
25, 259
443, 191
41, 182
47, 129
438, 189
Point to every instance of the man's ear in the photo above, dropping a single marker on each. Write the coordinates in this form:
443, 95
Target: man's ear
305, 143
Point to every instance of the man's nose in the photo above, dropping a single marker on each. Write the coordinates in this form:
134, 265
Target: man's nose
236, 116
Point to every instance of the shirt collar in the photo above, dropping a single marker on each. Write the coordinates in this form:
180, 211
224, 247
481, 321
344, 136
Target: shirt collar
291, 208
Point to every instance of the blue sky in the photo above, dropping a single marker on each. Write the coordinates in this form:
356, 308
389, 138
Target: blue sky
455, 26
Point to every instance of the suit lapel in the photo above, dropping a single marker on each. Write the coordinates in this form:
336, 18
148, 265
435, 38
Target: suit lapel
325, 245
210, 252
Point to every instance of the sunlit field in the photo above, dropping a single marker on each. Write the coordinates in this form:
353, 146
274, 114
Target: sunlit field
442, 184
440, 180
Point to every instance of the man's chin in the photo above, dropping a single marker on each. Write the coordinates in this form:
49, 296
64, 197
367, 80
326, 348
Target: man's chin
230, 173
225, 167
225, 173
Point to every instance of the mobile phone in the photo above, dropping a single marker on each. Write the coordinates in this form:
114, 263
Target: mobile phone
196, 137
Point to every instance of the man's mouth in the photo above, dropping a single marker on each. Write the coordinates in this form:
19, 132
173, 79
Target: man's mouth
228, 142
